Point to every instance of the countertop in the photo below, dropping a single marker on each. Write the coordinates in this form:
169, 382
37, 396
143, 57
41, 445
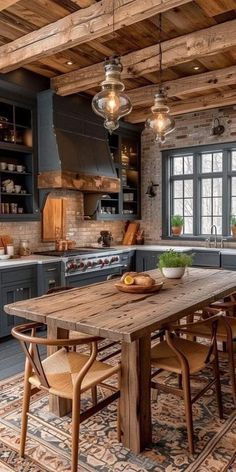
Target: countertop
38, 259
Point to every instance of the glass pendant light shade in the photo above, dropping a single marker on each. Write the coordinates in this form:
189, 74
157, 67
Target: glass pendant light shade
160, 122
112, 103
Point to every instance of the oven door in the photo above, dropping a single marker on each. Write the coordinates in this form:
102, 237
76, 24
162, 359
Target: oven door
94, 277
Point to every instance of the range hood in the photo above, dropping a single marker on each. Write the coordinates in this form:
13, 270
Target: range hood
73, 146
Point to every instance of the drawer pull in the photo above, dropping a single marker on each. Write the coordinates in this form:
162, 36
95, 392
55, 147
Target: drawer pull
52, 269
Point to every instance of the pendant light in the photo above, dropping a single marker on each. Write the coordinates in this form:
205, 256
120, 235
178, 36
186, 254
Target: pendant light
112, 103
161, 123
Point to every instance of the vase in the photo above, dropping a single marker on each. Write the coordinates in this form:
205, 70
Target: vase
176, 230
173, 272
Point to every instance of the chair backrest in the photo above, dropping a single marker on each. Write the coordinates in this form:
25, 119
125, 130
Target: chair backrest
30, 343
173, 331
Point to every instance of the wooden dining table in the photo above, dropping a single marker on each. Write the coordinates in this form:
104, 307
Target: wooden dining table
101, 310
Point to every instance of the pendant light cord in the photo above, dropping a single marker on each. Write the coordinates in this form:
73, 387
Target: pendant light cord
160, 53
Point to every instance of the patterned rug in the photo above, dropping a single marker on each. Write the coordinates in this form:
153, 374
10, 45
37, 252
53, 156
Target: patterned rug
48, 443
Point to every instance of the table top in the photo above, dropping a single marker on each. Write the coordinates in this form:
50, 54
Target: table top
103, 311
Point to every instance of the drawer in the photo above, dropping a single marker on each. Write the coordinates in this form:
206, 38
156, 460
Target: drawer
51, 268
228, 261
15, 275
206, 259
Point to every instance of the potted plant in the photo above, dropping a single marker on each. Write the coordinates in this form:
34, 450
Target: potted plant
173, 264
233, 225
177, 223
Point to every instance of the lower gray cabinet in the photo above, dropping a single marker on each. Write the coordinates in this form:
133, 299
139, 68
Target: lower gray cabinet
49, 275
206, 258
228, 261
146, 260
20, 288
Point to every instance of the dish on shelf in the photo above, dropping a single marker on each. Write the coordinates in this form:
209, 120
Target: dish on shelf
4, 257
138, 288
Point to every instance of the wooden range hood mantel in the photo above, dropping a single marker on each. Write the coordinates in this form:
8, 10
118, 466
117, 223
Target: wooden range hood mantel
61, 179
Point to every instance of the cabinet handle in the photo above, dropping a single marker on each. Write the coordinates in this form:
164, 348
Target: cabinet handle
17, 289
50, 282
51, 270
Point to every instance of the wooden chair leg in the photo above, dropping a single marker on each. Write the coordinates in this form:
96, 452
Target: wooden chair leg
94, 395
230, 349
25, 408
188, 410
218, 385
75, 433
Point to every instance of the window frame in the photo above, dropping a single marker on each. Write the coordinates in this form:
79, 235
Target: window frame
167, 185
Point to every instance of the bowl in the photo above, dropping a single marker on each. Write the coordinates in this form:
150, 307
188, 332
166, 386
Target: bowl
139, 288
4, 257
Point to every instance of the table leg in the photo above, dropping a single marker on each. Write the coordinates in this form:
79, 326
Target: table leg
57, 405
135, 401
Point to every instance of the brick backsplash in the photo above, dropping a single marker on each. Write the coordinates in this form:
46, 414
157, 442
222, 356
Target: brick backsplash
83, 232
191, 130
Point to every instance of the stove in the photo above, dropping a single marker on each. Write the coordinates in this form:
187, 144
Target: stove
88, 259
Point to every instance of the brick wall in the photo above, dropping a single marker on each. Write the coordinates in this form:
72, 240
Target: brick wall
191, 130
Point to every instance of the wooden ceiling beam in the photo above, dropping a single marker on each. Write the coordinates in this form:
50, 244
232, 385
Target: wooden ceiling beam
176, 51
7, 3
79, 27
84, 3
214, 100
180, 87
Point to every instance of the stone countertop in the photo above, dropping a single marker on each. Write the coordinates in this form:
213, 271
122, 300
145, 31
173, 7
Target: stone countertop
27, 260
38, 259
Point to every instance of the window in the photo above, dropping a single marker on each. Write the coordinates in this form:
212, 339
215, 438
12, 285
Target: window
201, 187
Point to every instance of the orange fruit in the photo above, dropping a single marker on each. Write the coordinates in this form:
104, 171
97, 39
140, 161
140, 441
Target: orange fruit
128, 280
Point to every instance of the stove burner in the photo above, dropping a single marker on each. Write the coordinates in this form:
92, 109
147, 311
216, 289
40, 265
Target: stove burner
77, 251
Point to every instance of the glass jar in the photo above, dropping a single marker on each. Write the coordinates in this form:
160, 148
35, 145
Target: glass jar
24, 249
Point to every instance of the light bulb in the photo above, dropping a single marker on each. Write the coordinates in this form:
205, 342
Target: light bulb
113, 103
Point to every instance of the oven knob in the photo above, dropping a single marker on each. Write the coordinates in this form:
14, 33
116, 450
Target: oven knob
69, 266
81, 265
116, 258
100, 261
94, 263
106, 261
89, 264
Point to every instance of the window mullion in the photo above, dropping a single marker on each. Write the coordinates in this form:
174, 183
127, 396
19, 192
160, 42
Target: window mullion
196, 196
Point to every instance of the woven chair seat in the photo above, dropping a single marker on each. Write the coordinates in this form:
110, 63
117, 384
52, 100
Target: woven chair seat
62, 368
163, 357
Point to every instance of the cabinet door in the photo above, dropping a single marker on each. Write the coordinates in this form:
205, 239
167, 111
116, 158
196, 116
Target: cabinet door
8, 295
146, 260
27, 290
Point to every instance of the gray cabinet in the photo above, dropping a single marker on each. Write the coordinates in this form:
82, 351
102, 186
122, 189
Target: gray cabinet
228, 261
49, 276
206, 258
16, 284
146, 260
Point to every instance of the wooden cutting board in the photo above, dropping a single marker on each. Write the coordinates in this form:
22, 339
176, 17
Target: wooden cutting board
5, 239
130, 235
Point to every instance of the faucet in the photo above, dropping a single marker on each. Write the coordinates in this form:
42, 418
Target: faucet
214, 227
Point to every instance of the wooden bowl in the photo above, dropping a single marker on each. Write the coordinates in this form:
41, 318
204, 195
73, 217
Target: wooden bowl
138, 288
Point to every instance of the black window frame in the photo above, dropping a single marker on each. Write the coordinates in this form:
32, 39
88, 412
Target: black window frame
227, 174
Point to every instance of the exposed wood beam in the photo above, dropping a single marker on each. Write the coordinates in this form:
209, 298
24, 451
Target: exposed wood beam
180, 87
185, 48
7, 3
214, 100
79, 27
84, 3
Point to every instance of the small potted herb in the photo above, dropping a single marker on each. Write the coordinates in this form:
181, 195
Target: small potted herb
177, 223
233, 225
173, 264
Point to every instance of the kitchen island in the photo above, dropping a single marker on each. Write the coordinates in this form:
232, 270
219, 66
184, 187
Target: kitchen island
101, 310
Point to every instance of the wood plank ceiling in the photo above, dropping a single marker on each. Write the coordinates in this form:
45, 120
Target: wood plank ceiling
199, 47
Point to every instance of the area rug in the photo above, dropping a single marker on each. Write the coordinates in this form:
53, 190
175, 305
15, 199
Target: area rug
48, 443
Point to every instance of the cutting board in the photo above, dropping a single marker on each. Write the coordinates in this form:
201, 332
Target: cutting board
5, 239
53, 218
130, 235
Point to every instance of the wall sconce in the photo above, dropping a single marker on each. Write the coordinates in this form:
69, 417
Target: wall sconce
217, 128
151, 192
